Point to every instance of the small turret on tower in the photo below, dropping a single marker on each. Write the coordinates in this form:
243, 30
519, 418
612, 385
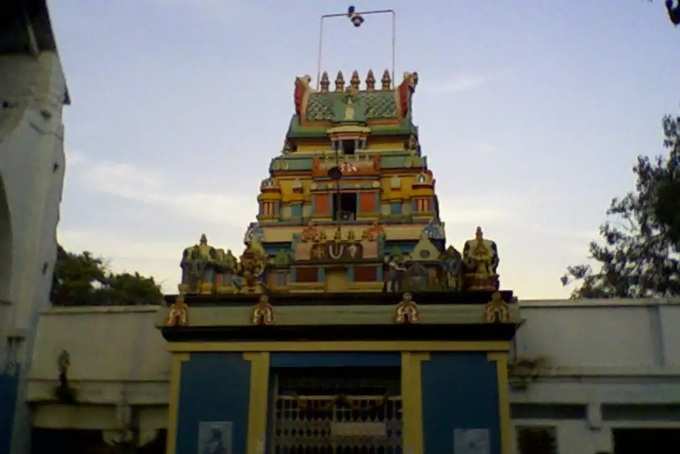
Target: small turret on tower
354, 82
386, 80
339, 82
324, 82
370, 80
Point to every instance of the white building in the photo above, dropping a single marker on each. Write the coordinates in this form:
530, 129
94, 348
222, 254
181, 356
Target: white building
595, 372
32, 93
587, 374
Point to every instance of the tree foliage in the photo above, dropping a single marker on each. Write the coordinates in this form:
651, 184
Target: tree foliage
81, 279
640, 252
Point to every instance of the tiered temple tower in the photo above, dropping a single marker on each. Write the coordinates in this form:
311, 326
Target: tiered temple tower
349, 206
347, 324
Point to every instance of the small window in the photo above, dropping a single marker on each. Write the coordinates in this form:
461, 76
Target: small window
365, 274
279, 278
348, 146
296, 210
395, 182
422, 205
536, 440
346, 209
307, 275
267, 209
395, 208
648, 440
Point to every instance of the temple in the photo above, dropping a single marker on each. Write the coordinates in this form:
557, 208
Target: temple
348, 206
347, 323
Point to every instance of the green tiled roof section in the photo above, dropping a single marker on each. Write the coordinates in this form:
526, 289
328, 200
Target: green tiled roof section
379, 105
399, 162
405, 127
291, 163
295, 131
320, 106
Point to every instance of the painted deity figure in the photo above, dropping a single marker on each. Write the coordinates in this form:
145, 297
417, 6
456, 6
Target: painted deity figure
416, 278
480, 258
178, 315
406, 311
263, 312
226, 267
396, 267
196, 265
452, 263
253, 264
214, 445
496, 310
206, 269
374, 232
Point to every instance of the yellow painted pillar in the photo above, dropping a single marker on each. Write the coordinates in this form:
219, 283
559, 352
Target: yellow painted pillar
173, 401
412, 401
501, 360
259, 397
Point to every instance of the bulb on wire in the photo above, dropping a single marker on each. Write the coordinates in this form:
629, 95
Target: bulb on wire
355, 17
673, 8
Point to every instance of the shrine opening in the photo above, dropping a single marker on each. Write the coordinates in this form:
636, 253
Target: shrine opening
347, 324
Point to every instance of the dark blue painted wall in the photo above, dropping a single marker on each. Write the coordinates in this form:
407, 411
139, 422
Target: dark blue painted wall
8, 398
460, 391
213, 387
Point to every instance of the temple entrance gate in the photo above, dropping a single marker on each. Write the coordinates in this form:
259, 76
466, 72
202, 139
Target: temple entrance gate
336, 424
330, 411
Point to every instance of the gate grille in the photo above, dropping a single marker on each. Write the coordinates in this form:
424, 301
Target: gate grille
337, 424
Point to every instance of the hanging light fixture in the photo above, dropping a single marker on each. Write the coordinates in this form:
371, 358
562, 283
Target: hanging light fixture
673, 7
356, 18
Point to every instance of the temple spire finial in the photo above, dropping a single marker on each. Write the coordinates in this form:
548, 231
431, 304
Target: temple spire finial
339, 82
324, 82
370, 80
354, 81
386, 80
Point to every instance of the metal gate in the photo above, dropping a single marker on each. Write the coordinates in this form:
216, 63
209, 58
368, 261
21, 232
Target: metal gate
341, 424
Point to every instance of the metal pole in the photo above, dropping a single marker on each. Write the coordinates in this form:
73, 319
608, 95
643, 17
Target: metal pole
318, 62
361, 13
394, 46
338, 217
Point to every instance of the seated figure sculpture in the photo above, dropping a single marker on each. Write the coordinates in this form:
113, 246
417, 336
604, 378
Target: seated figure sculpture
227, 267
198, 273
480, 260
452, 264
252, 267
206, 269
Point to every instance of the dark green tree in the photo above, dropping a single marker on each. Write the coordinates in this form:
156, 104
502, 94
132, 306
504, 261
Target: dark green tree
640, 252
81, 279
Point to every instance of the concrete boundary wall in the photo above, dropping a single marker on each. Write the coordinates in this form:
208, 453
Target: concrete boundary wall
579, 367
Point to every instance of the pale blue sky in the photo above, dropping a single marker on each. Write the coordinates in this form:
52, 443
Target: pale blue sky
531, 114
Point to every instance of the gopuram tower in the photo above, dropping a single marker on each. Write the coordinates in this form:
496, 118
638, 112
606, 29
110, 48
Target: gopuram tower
347, 324
349, 206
